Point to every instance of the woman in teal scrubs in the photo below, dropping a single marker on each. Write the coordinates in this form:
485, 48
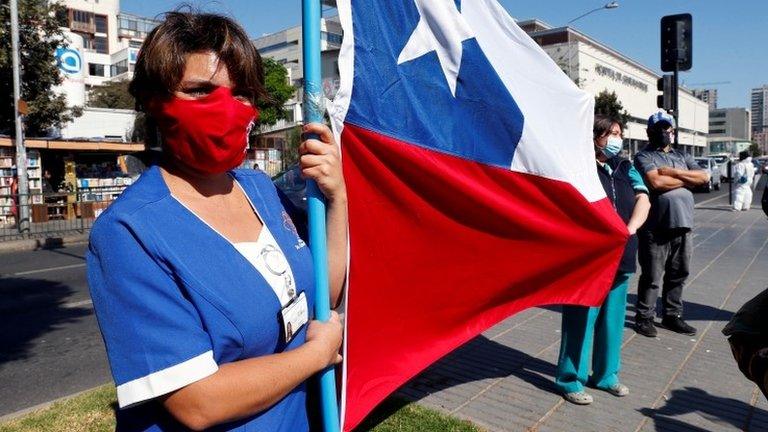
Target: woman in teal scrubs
592, 336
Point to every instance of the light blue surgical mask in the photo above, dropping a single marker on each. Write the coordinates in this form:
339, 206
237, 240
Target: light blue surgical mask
613, 147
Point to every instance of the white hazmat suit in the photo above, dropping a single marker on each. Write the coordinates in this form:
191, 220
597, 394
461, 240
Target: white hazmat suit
743, 175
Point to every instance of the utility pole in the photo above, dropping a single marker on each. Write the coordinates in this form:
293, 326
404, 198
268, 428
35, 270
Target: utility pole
21, 151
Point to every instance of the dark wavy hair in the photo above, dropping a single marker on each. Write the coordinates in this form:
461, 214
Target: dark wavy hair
162, 58
603, 124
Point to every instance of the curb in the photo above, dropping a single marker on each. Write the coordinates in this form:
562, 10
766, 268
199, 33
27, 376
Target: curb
43, 243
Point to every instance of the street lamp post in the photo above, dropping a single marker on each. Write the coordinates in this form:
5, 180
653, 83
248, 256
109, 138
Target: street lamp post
609, 5
21, 151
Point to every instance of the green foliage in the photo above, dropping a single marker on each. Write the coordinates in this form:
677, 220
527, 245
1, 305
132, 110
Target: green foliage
754, 150
609, 104
395, 415
95, 411
92, 411
291, 150
113, 94
39, 37
279, 90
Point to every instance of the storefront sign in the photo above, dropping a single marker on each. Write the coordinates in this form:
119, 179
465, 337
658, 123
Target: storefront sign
69, 61
619, 77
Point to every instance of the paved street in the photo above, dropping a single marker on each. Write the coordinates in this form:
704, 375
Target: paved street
50, 346
49, 341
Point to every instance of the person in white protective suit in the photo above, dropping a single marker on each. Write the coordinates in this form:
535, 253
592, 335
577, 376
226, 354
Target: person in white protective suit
743, 174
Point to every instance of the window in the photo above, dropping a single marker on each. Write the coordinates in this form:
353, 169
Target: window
129, 24
717, 131
101, 24
100, 45
87, 42
134, 44
82, 17
331, 37
118, 68
95, 69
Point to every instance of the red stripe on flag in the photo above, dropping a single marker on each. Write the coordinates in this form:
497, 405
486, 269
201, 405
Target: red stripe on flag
442, 248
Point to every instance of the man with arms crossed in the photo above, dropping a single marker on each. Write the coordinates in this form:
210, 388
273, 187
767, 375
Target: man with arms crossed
665, 239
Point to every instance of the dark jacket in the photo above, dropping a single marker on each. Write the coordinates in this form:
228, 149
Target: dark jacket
619, 190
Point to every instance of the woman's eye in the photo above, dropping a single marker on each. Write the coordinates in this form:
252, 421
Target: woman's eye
197, 92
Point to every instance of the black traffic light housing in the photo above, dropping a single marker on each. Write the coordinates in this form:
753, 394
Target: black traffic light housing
676, 42
666, 85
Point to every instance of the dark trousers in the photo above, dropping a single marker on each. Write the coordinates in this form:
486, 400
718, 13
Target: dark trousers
664, 258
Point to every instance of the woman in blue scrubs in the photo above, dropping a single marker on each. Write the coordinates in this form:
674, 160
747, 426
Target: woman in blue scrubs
592, 336
200, 280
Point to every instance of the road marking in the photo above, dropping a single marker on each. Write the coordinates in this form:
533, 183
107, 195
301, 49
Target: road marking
45, 270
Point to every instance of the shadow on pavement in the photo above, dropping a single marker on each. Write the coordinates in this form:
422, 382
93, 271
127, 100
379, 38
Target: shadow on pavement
30, 308
480, 359
692, 311
718, 410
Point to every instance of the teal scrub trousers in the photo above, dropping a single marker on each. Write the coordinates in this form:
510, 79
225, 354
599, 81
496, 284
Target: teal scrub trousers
588, 327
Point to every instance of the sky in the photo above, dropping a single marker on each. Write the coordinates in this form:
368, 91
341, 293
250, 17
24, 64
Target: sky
730, 39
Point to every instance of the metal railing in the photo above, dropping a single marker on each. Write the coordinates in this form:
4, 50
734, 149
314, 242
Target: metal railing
53, 214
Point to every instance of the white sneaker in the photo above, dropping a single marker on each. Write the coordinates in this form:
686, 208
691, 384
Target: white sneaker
618, 390
578, 398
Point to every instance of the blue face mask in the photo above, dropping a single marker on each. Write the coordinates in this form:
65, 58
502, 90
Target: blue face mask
613, 147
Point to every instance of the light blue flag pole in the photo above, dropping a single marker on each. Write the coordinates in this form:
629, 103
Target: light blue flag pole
313, 113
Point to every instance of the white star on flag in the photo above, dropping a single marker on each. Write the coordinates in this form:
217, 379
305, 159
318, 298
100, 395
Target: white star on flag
441, 29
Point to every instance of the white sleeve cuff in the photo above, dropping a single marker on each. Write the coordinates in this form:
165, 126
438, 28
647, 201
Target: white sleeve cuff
166, 380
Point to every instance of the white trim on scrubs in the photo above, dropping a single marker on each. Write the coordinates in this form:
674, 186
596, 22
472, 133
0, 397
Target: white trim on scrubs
166, 380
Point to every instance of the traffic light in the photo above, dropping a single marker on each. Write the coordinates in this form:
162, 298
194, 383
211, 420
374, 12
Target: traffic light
676, 42
666, 85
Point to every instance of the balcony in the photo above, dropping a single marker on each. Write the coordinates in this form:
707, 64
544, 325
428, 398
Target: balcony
83, 27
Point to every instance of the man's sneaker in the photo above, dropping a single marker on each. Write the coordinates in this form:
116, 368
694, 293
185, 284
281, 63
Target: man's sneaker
677, 325
645, 327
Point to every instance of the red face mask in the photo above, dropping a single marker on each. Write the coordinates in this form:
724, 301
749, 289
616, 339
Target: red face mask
208, 135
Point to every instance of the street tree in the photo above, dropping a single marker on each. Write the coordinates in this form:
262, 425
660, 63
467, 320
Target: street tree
608, 104
40, 34
278, 88
112, 94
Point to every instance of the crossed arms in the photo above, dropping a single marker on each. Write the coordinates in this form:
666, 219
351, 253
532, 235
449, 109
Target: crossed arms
665, 178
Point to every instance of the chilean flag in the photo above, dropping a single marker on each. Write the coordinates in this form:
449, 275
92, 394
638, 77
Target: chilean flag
473, 191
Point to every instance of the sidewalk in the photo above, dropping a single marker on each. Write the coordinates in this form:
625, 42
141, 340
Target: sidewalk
502, 380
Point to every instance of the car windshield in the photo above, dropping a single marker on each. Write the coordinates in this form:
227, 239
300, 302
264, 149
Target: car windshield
720, 159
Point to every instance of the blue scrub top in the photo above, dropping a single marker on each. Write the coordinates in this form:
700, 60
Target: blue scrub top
174, 299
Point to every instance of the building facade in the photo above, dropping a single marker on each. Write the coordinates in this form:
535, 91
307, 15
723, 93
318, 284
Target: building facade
707, 95
596, 67
730, 122
102, 45
759, 105
285, 47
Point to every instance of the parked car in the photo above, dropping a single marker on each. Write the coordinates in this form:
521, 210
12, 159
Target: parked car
293, 186
722, 164
761, 164
710, 165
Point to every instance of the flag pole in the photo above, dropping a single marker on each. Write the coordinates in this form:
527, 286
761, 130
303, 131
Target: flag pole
313, 113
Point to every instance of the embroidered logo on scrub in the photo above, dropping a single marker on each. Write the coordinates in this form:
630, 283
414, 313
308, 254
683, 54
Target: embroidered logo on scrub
288, 224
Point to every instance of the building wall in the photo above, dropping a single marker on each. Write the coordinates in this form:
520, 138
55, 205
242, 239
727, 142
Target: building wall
759, 107
596, 70
101, 123
730, 122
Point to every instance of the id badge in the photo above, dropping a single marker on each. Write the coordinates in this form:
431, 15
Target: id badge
293, 317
